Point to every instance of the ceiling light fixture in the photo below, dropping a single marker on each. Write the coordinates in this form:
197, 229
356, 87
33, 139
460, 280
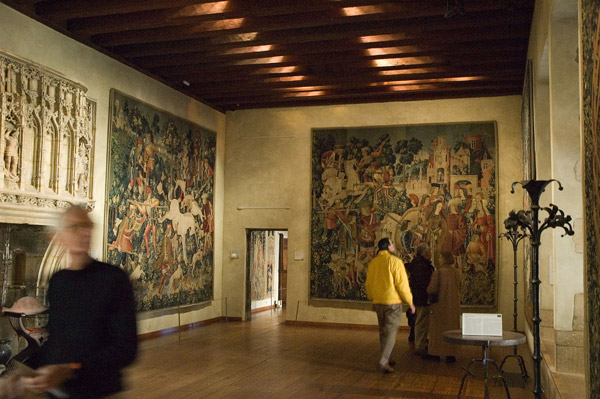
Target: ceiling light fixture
186, 83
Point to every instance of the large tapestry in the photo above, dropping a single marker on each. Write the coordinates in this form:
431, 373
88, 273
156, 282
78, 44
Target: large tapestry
590, 51
262, 258
160, 220
432, 184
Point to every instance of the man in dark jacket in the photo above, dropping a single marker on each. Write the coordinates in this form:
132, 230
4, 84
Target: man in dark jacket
419, 275
92, 324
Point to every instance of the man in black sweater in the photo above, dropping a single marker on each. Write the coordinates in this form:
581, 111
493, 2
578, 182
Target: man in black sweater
419, 275
91, 324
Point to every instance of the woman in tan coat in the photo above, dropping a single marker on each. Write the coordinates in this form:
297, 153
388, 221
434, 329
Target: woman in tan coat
445, 313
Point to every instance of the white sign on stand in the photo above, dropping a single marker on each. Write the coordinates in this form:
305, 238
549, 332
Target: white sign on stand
482, 324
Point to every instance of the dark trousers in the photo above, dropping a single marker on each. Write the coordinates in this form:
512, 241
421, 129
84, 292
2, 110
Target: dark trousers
412, 318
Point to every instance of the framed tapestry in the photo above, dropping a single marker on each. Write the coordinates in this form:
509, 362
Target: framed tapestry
529, 173
159, 218
432, 184
590, 53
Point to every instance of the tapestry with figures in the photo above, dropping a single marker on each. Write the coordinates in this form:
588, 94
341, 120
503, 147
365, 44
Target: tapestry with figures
415, 184
590, 53
262, 258
160, 221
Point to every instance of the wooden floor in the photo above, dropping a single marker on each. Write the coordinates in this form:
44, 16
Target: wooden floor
265, 358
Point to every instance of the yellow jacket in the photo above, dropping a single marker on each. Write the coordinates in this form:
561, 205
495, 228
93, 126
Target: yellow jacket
387, 282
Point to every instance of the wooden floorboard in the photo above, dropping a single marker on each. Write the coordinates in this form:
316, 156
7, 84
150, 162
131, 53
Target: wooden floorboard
267, 359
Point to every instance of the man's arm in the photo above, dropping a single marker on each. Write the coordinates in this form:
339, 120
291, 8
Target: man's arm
401, 283
434, 284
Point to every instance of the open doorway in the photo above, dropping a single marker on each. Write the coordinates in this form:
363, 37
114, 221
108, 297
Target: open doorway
266, 270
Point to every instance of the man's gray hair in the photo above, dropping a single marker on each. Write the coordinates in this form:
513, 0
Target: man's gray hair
422, 248
74, 208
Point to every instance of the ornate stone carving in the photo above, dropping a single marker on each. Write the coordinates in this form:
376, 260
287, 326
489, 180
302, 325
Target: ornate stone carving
47, 131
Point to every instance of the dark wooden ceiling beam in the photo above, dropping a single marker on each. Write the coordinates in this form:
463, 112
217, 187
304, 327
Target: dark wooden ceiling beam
479, 54
433, 93
190, 14
239, 86
471, 69
309, 54
437, 88
81, 9
259, 77
370, 79
393, 73
414, 96
488, 55
366, 87
487, 32
346, 96
27, 7
60, 11
314, 26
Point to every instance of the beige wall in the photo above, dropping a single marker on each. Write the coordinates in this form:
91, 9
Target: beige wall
268, 165
553, 50
566, 167
27, 39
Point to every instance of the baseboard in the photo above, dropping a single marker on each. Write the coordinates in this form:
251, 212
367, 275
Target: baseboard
185, 327
257, 310
336, 325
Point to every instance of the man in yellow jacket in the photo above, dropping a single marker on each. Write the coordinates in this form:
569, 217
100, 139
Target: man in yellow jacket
387, 287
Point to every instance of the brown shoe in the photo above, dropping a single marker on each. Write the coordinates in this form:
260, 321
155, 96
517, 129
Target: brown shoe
385, 368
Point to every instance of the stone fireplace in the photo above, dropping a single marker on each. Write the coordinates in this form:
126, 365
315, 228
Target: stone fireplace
47, 133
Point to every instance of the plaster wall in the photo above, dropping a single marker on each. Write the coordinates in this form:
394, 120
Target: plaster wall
268, 166
538, 53
566, 166
30, 40
553, 50
543, 147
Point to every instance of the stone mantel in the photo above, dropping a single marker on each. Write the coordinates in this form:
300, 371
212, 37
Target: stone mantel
47, 133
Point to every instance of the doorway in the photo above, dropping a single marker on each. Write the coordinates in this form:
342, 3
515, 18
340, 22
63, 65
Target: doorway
266, 270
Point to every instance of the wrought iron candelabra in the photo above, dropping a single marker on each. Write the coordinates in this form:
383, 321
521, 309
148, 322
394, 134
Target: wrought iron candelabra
530, 223
514, 234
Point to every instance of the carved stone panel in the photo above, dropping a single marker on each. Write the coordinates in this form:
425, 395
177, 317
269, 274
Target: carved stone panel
47, 131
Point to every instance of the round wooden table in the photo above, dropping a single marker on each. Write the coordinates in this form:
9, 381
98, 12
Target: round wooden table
508, 338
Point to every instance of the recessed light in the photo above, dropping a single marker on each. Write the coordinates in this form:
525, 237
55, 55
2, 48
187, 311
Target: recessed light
186, 83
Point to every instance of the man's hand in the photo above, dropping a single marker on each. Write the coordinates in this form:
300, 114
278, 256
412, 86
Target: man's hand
412, 309
48, 377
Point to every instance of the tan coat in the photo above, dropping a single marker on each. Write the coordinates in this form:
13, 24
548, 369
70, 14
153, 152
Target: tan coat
445, 314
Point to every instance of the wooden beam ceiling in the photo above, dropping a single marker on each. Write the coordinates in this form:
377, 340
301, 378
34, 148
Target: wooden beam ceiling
237, 54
